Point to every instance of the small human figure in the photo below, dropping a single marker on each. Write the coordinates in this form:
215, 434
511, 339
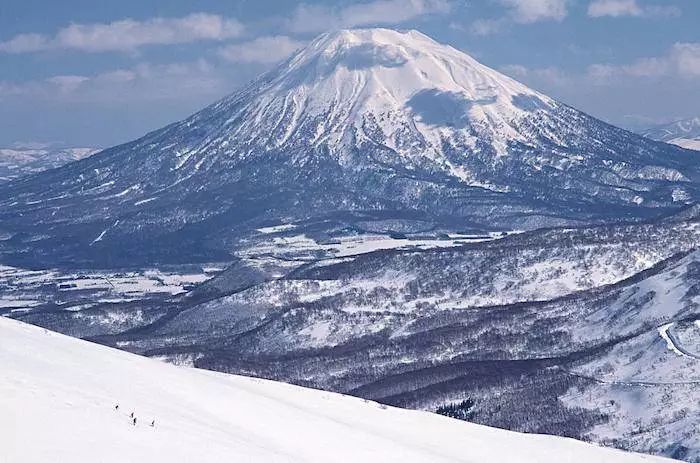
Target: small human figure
116, 407
153, 423
132, 414
134, 421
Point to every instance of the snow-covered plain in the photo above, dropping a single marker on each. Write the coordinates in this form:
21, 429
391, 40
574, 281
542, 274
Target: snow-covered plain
688, 143
301, 246
23, 289
58, 397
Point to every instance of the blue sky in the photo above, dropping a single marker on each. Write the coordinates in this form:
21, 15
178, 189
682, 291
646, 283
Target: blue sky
99, 72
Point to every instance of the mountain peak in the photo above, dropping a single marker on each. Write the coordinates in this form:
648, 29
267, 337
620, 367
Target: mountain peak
374, 119
376, 35
402, 80
411, 56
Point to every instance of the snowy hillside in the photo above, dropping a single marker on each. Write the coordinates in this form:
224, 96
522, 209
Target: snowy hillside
574, 332
359, 126
381, 216
526, 319
684, 133
58, 398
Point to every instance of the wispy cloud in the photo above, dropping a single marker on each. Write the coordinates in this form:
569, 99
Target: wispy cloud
128, 34
264, 50
521, 12
620, 8
686, 57
309, 18
144, 82
531, 11
680, 64
487, 26
682, 60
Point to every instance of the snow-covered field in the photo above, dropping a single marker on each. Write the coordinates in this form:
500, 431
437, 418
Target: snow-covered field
688, 143
302, 247
22, 289
58, 398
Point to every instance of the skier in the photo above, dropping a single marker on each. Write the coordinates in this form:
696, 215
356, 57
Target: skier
134, 421
153, 423
132, 415
116, 407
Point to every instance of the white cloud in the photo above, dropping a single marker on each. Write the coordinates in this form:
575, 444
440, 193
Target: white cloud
144, 82
317, 18
487, 26
531, 11
67, 83
614, 8
24, 43
128, 34
619, 8
265, 50
522, 12
686, 57
682, 60
601, 72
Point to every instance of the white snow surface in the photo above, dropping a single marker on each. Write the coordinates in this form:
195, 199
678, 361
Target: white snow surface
353, 245
688, 143
58, 397
23, 288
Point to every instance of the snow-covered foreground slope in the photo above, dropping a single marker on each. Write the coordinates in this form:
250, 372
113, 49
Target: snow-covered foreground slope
58, 396
554, 332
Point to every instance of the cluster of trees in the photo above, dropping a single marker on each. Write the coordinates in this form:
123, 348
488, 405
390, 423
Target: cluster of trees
462, 410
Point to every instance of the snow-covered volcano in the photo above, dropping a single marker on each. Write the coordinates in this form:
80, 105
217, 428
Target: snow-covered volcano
402, 94
359, 123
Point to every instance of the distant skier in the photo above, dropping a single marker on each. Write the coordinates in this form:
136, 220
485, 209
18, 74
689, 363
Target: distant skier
132, 415
116, 407
153, 423
134, 421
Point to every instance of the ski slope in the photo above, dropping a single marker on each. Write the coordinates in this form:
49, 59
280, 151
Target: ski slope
58, 397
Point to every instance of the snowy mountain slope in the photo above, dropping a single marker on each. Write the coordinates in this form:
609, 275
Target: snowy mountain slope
684, 133
360, 125
575, 346
518, 325
650, 382
534, 266
57, 399
19, 161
